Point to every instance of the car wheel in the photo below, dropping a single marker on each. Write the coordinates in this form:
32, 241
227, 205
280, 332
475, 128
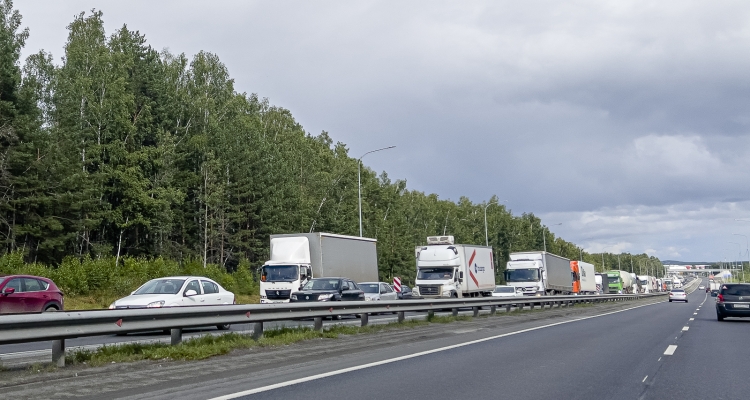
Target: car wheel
51, 309
670, 300
224, 327
719, 317
686, 301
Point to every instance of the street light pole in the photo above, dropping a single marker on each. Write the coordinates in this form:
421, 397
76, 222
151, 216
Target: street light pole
359, 183
747, 248
486, 238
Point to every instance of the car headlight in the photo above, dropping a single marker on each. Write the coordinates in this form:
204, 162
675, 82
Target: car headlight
324, 297
368, 299
155, 304
112, 306
294, 297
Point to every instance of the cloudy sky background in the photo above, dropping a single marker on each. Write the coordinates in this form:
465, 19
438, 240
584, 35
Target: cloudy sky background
627, 122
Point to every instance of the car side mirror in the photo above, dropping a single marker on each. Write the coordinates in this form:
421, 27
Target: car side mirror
190, 293
9, 290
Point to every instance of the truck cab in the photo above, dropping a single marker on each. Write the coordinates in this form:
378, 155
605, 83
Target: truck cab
448, 270
526, 275
278, 281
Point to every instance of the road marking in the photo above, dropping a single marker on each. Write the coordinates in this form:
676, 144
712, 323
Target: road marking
408, 356
692, 319
684, 328
658, 359
670, 350
695, 313
644, 379
698, 309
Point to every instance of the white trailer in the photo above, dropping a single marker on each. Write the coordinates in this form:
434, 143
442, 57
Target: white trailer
298, 257
584, 277
445, 269
539, 273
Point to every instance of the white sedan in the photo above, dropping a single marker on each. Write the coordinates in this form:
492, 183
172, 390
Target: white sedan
677, 295
176, 291
506, 291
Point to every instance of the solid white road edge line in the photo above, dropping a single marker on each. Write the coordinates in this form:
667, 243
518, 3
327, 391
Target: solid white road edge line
670, 350
406, 357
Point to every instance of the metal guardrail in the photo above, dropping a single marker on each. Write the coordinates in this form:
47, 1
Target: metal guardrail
58, 326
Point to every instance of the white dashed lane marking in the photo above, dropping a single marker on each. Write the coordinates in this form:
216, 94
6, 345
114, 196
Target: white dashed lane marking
670, 350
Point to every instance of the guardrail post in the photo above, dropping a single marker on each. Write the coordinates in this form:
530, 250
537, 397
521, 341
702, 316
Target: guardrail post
532, 305
475, 310
493, 310
318, 324
365, 319
520, 307
175, 336
401, 316
507, 308
430, 314
58, 352
258, 330
559, 303
455, 312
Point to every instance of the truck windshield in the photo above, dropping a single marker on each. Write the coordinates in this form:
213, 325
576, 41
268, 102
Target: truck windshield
432, 274
522, 275
613, 279
279, 273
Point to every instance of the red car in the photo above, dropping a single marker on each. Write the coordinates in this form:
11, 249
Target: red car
28, 294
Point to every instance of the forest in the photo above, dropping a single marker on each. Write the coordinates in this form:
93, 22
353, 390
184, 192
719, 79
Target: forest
115, 151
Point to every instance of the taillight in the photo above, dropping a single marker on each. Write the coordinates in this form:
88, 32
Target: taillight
719, 298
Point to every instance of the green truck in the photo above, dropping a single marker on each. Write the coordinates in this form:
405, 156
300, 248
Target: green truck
619, 282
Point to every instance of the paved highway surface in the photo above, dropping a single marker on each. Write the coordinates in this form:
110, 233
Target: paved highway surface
635, 350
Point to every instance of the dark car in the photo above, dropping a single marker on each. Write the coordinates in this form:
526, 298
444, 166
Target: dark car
28, 294
328, 289
405, 293
733, 300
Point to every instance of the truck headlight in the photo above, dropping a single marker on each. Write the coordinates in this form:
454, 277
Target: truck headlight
294, 297
112, 306
155, 304
324, 297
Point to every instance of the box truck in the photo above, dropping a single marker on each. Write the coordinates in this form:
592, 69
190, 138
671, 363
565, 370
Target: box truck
298, 257
539, 273
445, 269
584, 277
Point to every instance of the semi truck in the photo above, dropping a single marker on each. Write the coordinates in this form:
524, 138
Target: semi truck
299, 257
584, 277
539, 273
446, 269
619, 282
647, 284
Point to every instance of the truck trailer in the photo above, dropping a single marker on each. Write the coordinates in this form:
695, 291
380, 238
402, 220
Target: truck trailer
539, 273
584, 277
299, 257
446, 270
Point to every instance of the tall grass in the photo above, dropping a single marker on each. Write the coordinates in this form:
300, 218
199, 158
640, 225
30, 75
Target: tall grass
87, 276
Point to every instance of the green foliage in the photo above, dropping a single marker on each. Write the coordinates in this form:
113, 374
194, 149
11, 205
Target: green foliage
122, 164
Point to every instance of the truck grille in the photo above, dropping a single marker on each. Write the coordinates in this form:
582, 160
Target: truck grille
278, 294
429, 290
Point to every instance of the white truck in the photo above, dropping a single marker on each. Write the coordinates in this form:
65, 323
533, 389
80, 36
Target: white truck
647, 284
584, 278
446, 270
539, 273
298, 257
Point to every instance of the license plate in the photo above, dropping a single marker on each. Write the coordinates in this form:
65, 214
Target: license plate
742, 306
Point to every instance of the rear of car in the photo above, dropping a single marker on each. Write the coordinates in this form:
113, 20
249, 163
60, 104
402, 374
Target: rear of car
677, 295
733, 300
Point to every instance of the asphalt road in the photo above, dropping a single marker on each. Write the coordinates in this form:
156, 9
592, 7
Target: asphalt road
625, 355
632, 350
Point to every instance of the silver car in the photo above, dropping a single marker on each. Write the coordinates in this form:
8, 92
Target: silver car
507, 291
378, 291
677, 295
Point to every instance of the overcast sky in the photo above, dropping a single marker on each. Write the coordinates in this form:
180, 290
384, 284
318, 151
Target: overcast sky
626, 121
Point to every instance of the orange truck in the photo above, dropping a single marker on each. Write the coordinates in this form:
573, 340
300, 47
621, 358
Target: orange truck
584, 277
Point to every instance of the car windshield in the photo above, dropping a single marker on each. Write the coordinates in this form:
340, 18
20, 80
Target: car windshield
279, 273
431, 274
370, 287
503, 289
737, 290
322, 284
678, 291
522, 275
161, 286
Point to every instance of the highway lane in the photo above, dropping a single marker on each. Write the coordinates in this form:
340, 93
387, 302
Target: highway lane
710, 360
617, 356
